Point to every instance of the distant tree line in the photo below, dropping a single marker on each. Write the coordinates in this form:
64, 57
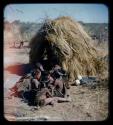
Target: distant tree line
98, 31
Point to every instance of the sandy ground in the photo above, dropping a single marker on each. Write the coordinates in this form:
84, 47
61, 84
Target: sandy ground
87, 104
15, 56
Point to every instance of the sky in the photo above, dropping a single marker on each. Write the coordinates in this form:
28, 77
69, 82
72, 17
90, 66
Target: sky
88, 13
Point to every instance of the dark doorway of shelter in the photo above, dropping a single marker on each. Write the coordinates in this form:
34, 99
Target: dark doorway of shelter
48, 57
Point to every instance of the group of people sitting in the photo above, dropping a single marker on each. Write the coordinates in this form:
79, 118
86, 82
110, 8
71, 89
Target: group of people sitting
41, 87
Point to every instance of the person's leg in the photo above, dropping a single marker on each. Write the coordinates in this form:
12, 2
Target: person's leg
60, 99
49, 101
56, 99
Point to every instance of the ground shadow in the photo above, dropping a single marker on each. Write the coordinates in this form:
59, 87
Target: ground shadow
20, 69
73, 84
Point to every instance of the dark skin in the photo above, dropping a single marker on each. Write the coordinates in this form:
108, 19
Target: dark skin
38, 74
43, 95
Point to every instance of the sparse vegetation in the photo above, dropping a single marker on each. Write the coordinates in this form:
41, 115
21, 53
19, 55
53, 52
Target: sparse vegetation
98, 31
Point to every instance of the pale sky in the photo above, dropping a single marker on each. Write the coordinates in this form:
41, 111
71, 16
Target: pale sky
88, 13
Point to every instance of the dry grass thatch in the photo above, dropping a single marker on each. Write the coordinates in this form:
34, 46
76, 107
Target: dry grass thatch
65, 41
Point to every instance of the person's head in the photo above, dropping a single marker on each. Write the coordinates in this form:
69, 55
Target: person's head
37, 74
57, 66
46, 73
39, 66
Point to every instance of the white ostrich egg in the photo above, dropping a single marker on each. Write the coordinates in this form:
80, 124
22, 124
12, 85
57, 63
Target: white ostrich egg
77, 82
79, 77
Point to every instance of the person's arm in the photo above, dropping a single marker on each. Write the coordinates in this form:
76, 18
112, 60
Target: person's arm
36, 82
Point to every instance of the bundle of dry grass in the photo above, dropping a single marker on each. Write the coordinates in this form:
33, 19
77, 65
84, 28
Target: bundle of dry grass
64, 41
